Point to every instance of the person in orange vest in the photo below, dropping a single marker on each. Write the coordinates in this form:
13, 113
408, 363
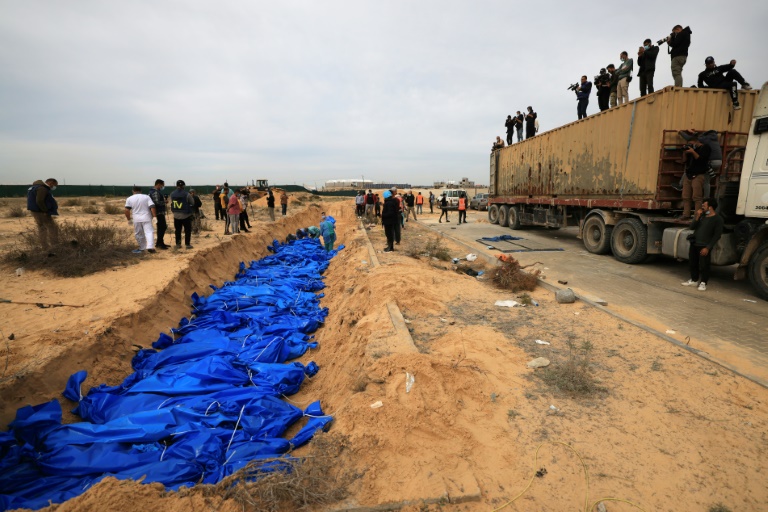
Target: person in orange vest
419, 203
463, 207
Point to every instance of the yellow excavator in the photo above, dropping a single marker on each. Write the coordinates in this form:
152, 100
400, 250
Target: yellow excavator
260, 188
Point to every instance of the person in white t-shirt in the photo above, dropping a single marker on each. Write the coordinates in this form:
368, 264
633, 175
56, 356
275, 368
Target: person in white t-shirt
141, 208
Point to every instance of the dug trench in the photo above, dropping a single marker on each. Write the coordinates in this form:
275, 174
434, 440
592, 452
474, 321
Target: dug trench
662, 429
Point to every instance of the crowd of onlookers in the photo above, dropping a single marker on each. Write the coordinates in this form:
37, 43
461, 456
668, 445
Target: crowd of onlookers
612, 83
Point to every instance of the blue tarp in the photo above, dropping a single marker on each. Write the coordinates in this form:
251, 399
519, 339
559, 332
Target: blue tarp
200, 404
500, 238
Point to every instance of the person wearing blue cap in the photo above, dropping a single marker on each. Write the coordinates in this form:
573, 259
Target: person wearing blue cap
389, 219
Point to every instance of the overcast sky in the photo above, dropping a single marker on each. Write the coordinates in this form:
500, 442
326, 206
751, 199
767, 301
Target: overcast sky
123, 92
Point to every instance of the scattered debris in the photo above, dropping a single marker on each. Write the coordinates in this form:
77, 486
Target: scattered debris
601, 507
19, 271
377, 404
539, 362
471, 257
745, 300
600, 302
540, 473
409, 380
12, 337
507, 303
670, 331
542, 342
565, 296
562, 282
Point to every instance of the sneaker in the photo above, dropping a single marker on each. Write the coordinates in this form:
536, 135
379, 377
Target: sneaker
736, 106
190, 247
178, 246
388, 250
702, 286
137, 251
151, 251
689, 282
440, 221
162, 247
746, 87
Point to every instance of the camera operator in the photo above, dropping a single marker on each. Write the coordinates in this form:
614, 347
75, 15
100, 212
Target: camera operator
530, 123
678, 41
582, 96
603, 86
708, 138
625, 76
614, 84
646, 62
696, 171
519, 120
510, 124
712, 77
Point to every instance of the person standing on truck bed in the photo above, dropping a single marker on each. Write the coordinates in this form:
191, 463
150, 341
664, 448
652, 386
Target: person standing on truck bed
646, 62
707, 228
696, 172
582, 96
713, 78
678, 41
530, 123
625, 76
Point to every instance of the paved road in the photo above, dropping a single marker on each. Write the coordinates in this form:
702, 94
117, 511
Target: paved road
728, 321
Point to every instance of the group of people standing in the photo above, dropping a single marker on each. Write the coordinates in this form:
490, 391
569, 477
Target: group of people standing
514, 125
231, 206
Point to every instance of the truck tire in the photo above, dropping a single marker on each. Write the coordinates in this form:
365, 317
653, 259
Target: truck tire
493, 214
758, 271
503, 215
513, 217
629, 241
597, 235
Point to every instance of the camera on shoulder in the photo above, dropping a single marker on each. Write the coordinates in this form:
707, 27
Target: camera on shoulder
573, 87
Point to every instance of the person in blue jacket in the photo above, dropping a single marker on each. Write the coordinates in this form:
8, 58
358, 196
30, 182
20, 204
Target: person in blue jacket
328, 231
582, 95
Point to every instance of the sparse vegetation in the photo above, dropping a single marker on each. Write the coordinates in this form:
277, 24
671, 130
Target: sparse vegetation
436, 248
75, 201
93, 210
288, 483
112, 209
525, 299
574, 375
81, 249
719, 507
16, 212
509, 275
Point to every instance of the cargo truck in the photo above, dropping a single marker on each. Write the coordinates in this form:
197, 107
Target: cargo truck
614, 175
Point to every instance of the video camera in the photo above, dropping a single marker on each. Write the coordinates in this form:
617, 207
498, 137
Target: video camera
573, 87
662, 41
687, 146
602, 78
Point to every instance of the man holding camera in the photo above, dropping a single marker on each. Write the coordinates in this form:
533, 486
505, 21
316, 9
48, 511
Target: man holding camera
708, 138
518, 119
614, 84
713, 78
696, 172
678, 41
510, 125
530, 123
625, 76
603, 85
646, 62
582, 96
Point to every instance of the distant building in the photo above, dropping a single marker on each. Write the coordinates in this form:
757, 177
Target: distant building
464, 183
352, 183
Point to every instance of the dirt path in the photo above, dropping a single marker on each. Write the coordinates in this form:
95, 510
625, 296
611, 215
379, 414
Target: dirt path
670, 432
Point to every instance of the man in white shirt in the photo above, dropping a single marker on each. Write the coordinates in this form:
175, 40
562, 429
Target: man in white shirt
142, 209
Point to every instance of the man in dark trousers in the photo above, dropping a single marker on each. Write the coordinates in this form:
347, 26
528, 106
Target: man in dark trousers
390, 219
678, 41
582, 96
271, 204
646, 62
614, 85
696, 172
723, 77
217, 204
530, 123
707, 228
603, 85
44, 207
510, 124
157, 196
182, 205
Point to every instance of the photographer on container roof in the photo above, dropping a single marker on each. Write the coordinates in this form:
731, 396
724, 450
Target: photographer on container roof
712, 77
678, 41
582, 96
603, 85
625, 76
614, 83
646, 62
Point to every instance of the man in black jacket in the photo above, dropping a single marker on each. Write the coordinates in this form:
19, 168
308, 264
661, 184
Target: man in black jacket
510, 124
678, 41
530, 123
614, 84
157, 196
695, 173
707, 229
389, 219
646, 61
603, 85
712, 77
582, 96
518, 120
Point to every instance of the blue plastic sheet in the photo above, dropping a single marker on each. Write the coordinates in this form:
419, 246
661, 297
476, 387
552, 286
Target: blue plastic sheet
500, 238
201, 403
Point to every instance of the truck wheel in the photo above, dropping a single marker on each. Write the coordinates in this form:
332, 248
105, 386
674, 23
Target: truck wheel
629, 241
513, 217
758, 271
503, 216
493, 214
596, 235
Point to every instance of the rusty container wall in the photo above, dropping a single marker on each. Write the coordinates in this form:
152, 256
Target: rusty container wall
613, 154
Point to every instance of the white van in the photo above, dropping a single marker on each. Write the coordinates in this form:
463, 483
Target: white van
452, 195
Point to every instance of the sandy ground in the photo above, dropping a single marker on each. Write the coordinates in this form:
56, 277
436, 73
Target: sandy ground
671, 431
